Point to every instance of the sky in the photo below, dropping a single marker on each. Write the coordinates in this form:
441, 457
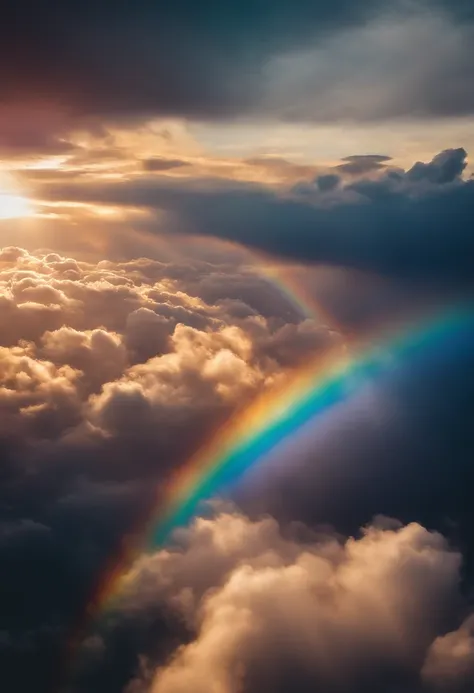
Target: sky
202, 204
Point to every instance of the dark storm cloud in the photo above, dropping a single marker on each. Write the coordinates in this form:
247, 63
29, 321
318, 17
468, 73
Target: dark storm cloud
213, 60
178, 58
413, 224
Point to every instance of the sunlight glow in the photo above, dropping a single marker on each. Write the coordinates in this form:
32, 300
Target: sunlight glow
14, 206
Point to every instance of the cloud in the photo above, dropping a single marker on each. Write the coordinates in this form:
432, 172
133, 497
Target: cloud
147, 334
362, 73
274, 611
111, 374
90, 62
137, 337
359, 164
445, 167
32, 129
160, 164
314, 61
37, 397
327, 183
449, 665
99, 355
412, 224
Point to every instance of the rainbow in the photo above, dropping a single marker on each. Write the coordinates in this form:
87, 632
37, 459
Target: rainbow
285, 278
276, 418
279, 415
281, 276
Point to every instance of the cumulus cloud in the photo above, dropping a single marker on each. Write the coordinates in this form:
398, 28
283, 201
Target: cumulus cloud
147, 333
99, 355
449, 665
110, 346
111, 373
36, 393
445, 167
293, 610
143, 360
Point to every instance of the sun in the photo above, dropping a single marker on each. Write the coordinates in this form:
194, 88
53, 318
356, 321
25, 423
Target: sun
14, 206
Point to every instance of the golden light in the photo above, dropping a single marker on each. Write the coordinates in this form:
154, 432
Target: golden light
14, 206
15, 202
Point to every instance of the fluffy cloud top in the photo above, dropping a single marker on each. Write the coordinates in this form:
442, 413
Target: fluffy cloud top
294, 611
110, 375
102, 349
450, 662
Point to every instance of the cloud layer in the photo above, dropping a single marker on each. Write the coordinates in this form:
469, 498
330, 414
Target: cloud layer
311, 61
412, 224
110, 375
295, 611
